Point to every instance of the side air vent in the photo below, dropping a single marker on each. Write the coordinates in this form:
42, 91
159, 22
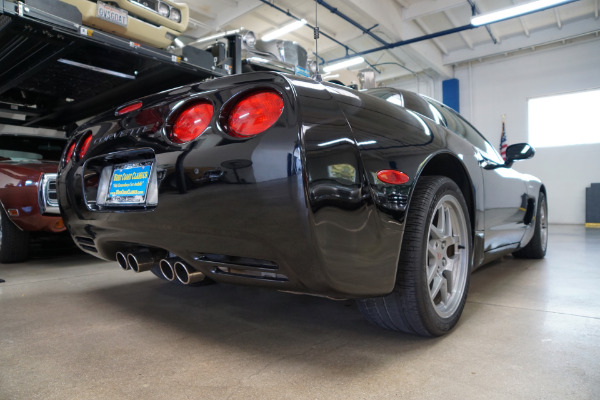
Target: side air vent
86, 243
398, 199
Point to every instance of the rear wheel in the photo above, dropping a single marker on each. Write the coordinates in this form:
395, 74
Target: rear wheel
434, 266
14, 243
536, 248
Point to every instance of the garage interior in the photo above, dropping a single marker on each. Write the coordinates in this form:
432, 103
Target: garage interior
76, 327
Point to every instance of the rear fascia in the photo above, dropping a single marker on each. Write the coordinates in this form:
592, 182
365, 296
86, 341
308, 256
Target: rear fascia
266, 201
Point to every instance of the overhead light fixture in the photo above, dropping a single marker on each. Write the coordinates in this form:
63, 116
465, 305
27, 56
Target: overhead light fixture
343, 64
516, 11
283, 30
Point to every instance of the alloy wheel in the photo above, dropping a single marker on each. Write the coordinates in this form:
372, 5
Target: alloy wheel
447, 256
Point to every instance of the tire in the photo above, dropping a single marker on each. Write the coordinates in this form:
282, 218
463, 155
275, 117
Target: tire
434, 266
536, 248
14, 243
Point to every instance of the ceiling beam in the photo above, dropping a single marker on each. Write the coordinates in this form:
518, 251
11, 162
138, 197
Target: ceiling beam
558, 20
346, 36
537, 38
463, 35
387, 14
428, 31
523, 23
428, 7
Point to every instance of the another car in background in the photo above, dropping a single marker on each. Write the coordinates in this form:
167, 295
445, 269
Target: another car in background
156, 23
28, 198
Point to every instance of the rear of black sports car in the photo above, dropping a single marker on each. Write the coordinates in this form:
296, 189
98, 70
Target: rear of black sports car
253, 179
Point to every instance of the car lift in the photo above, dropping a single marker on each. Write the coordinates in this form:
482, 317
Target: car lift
54, 71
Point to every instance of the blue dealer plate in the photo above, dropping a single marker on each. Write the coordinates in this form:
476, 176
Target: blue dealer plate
129, 184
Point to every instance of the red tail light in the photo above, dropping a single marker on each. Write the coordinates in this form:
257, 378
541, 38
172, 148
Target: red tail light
255, 114
392, 177
85, 145
129, 108
191, 123
70, 152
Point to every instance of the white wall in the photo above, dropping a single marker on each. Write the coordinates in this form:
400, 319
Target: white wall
422, 83
489, 89
30, 131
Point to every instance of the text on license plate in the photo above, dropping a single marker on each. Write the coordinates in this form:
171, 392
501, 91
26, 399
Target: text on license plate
129, 183
111, 14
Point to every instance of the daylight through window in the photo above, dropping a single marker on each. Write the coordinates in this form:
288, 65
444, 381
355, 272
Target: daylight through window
564, 120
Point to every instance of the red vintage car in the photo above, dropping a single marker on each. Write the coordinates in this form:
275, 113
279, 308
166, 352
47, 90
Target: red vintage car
28, 200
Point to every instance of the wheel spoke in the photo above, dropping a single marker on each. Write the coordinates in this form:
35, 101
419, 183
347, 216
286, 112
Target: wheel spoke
438, 282
431, 248
441, 221
448, 273
431, 273
452, 240
436, 232
444, 291
448, 220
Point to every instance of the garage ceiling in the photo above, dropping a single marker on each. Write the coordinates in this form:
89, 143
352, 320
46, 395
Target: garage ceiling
398, 20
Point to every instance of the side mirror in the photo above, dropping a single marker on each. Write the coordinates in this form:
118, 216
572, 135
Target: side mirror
519, 151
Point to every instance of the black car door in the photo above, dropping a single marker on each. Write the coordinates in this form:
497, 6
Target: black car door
505, 191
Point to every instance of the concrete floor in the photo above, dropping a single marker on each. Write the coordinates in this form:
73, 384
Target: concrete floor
73, 327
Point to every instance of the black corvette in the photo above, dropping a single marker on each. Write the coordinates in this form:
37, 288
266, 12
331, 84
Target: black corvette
279, 181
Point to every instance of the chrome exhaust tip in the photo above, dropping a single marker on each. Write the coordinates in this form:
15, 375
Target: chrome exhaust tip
187, 275
141, 260
122, 260
166, 268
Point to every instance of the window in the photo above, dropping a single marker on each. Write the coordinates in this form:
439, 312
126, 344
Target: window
564, 120
463, 128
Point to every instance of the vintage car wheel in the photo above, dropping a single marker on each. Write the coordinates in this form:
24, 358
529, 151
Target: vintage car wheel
14, 243
434, 266
536, 248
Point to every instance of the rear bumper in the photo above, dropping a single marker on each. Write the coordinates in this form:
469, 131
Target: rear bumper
262, 204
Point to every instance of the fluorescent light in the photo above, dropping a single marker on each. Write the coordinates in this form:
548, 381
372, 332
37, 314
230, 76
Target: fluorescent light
516, 11
96, 69
343, 64
283, 30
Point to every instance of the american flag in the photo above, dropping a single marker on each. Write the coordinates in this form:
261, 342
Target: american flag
503, 144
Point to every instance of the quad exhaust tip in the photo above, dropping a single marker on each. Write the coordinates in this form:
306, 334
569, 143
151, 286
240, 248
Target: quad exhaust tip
171, 268
122, 260
166, 268
141, 260
186, 274
138, 261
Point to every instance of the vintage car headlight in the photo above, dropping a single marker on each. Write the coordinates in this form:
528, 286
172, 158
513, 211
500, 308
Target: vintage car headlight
249, 39
175, 15
163, 10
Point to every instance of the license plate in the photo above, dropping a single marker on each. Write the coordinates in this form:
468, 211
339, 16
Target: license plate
111, 14
129, 183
